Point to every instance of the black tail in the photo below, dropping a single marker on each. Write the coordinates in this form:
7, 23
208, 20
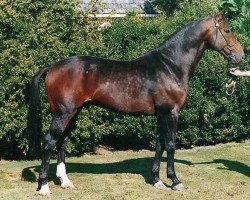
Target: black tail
35, 114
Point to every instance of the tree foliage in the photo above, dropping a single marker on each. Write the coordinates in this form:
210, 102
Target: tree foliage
238, 12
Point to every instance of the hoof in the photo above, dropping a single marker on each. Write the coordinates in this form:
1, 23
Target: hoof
67, 185
44, 191
160, 184
178, 187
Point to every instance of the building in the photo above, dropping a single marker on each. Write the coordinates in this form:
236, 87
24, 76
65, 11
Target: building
118, 8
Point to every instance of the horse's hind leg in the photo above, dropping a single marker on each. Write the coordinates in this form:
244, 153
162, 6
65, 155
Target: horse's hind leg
61, 147
58, 125
61, 168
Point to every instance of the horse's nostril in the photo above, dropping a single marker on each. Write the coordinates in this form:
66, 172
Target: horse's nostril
243, 57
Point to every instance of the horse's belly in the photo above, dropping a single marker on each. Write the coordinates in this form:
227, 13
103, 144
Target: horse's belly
125, 102
134, 106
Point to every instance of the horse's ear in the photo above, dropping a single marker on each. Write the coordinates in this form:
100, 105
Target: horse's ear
220, 15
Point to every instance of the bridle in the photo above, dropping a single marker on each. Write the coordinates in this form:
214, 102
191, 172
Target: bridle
228, 45
231, 84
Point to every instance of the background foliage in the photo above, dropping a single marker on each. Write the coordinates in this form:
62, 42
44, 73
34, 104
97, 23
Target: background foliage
36, 33
238, 11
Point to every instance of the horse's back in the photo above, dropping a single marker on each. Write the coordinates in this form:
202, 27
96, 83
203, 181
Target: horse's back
130, 87
118, 85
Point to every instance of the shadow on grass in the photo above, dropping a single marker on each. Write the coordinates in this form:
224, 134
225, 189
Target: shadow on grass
141, 166
230, 165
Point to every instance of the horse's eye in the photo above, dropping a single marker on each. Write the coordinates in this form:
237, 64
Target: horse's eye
227, 30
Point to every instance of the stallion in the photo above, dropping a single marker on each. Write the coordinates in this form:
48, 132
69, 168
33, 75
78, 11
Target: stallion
156, 83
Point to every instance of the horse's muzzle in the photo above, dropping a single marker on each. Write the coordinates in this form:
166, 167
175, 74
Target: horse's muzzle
237, 58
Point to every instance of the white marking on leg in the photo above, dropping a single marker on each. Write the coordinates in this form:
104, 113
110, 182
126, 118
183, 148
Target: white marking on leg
44, 190
61, 173
160, 184
60, 170
179, 187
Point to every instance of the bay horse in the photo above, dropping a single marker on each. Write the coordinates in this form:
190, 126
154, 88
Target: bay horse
156, 83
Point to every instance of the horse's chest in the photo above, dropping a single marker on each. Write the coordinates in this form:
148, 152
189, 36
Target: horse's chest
170, 95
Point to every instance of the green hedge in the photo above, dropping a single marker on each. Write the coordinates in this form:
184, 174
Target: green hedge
36, 33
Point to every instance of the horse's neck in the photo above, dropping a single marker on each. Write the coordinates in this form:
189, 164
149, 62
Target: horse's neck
181, 55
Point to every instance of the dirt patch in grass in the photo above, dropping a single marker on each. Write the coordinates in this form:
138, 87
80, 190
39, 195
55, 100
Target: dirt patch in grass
3, 162
102, 150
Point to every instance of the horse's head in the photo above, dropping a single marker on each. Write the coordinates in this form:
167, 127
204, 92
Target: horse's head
222, 39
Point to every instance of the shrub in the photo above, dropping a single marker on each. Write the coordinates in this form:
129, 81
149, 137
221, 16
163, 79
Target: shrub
34, 34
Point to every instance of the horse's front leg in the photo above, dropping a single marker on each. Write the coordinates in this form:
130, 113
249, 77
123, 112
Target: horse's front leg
166, 128
171, 121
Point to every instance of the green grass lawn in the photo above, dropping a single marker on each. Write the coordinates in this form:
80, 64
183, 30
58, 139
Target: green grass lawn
220, 172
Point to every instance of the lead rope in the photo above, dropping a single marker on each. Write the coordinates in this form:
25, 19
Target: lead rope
230, 87
231, 84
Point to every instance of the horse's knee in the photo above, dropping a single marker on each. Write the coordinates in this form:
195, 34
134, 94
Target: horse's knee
170, 146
